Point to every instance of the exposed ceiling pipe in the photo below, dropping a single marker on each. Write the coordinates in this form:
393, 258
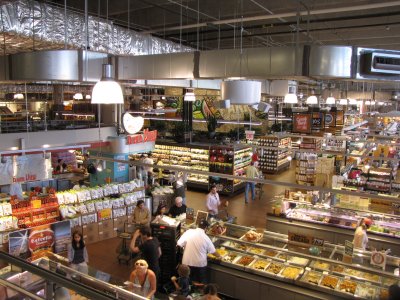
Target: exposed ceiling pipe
281, 15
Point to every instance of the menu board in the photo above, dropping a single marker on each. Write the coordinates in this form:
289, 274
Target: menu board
339, 118
318, 120
302, 122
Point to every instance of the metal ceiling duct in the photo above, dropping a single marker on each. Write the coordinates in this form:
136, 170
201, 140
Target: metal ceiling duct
44, 22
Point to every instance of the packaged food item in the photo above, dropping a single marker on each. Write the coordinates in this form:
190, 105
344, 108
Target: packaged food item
291, 272
348, 286
321, 265
260, 264
312, 277
274, 268
245, 260
329, 281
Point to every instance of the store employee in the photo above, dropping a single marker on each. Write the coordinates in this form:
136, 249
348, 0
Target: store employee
213, 201
360, 236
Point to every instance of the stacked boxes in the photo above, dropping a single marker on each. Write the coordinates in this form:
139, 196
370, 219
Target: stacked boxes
325, 165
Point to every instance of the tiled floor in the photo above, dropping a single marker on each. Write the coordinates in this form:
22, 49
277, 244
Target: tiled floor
103, 255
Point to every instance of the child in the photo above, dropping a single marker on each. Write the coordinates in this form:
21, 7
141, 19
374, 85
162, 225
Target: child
182, 284
77, 253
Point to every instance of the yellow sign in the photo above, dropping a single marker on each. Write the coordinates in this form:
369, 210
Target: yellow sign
36, 204
104, 214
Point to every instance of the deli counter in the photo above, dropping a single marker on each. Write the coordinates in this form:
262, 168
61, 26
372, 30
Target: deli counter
254, 263
336, 224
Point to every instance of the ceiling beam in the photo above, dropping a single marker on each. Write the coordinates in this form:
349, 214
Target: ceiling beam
278, 16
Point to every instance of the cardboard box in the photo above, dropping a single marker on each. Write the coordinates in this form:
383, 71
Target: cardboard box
105, 235
91, 237
76, 229
106, 225
119, 223
90, 229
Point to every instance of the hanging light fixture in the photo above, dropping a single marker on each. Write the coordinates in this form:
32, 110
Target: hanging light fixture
343, 98
18, 96
107, 90
189, 96
352, 101
78, 96
330, 99
312, 99
88, 97
291, 97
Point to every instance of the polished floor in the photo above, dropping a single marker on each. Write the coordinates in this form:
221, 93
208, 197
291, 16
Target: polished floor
103, 255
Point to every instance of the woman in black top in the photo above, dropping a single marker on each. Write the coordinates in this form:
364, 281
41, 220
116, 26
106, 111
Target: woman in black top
77, 253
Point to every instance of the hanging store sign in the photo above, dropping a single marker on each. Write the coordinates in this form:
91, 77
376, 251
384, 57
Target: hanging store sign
340, 118
146, 136
302, 122
330, 119
24, 168
317, 120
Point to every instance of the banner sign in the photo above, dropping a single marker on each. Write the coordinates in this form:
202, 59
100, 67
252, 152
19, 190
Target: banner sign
35, 242
22, 168
304, 239
302, 123
146, 136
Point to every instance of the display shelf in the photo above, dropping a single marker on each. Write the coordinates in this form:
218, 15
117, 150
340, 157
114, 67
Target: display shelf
276, 258
306, 169
274, 160
232, 161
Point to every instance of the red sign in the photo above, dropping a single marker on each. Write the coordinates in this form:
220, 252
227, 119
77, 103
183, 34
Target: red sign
40, 241
302, 123
146, 136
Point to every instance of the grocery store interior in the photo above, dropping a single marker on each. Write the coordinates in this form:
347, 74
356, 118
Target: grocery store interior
277, 122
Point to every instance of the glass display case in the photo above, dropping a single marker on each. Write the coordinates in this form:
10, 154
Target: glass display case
270, 255
46, 276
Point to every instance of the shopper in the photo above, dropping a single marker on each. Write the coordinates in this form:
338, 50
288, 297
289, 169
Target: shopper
161, 210
149, 248
148, 169
182, 283
178, 208
255, 158
213, 202
141, 214
196, 246
210, 292
179, 185
77, 253
251, 173
61, 166
360, 240
143, 280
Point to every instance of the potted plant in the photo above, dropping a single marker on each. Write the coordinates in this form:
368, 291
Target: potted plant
211, 125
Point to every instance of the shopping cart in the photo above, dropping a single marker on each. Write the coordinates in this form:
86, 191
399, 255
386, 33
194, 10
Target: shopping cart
259, 188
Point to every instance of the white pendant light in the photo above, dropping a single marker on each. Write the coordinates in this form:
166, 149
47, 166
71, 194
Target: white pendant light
312, 100
367, 102
78, 96
330, 100
107, 90
88, 97
189, 96
241, 92
291, 97
18, 96
343, 101
352, 101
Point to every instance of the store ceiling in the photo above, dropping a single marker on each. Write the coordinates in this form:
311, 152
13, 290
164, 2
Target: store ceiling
193, 22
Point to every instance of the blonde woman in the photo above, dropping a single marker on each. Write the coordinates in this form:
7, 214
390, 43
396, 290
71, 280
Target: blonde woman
143, 280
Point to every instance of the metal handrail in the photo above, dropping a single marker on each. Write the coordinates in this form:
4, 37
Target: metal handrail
19, 289
81, 289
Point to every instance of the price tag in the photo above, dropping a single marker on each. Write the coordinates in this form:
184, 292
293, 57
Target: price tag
36, 204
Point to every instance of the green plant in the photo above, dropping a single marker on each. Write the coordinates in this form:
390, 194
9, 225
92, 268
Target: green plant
212, 123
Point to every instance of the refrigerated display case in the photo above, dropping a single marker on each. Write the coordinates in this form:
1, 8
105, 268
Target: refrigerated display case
337, 224
263, 262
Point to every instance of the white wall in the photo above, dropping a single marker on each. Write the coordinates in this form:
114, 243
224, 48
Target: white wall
54, 138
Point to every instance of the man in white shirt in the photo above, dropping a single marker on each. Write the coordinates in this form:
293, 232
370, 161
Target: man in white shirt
196, 246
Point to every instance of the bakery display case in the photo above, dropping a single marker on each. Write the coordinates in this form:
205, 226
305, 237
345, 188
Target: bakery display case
231, 160
271, 262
